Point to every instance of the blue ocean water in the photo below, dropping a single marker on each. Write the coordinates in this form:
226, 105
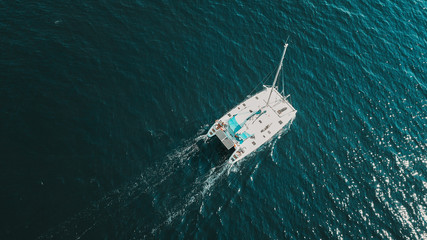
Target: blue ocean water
104, 107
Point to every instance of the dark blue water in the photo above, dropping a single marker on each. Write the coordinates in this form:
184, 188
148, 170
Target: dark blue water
104, 107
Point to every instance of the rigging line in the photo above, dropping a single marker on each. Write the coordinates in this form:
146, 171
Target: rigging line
263, 81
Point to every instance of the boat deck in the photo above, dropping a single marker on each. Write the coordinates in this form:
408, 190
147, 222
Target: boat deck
261, 127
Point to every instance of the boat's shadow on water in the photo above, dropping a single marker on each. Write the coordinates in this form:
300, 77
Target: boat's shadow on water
213, 152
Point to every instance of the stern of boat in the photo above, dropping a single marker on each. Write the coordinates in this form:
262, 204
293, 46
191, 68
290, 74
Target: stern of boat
219, 129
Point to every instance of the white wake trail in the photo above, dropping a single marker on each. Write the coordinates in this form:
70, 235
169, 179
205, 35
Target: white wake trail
202, 187
123, 197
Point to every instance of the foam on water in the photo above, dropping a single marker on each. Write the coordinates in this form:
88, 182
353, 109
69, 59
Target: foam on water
148, 182
203, 186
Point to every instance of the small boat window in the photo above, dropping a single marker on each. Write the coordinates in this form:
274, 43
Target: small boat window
259, 121
253, 142
250, 111
244, 105
229, 115
256, 98
269, 132
280, 122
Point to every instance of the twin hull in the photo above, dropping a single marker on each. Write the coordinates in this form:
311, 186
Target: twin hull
263, 123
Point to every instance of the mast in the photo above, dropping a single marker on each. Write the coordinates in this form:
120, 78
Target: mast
277, 73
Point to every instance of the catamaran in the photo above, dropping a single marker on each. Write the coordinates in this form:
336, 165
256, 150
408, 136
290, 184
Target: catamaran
256, 120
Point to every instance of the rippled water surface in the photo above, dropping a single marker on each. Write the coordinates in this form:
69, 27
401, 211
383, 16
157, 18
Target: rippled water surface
104, 107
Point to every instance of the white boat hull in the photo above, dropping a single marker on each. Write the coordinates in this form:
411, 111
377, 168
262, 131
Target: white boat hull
259, 128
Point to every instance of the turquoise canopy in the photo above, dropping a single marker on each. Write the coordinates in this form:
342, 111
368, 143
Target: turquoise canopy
235, 126
243, 136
